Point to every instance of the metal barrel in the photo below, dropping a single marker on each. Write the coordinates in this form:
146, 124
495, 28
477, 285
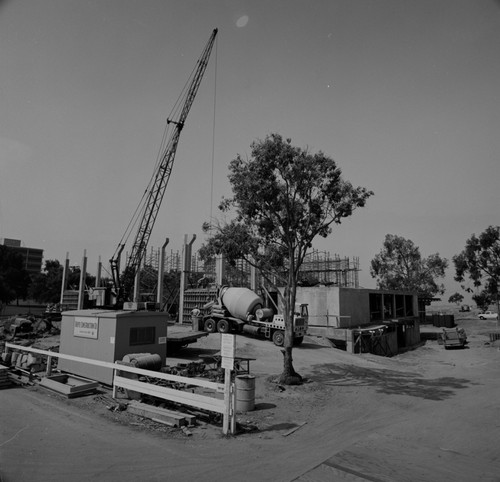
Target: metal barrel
245, 393
147, 362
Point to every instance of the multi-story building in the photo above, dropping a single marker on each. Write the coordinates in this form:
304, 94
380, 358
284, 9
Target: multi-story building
32, 257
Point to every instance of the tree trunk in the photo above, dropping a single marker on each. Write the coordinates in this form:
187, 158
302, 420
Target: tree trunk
289, 375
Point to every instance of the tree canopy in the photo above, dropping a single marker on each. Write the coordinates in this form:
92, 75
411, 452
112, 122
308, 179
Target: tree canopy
456, 298
14, 279
480, 262
400, 266
283, 198
46, 286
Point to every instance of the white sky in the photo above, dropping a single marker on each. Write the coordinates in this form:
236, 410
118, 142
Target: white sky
403, 94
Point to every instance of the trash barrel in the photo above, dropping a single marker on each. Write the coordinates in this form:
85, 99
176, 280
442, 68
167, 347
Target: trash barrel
245, 393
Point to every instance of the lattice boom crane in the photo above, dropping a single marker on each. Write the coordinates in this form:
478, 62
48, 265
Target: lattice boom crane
158, 185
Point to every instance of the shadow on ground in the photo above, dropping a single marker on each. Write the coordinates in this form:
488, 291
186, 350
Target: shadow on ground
389, 381
279, 426
264, 406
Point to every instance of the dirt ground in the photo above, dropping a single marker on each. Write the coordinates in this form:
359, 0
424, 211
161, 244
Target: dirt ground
429, 414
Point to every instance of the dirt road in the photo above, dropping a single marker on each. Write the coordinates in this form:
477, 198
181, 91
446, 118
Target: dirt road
427, 415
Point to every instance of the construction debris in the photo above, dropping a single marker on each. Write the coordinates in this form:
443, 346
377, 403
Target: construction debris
70, 385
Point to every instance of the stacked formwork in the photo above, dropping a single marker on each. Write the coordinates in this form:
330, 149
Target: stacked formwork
197, 298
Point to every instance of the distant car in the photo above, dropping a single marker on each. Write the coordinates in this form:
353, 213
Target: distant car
488, 315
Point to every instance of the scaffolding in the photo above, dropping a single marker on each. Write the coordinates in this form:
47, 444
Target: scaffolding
319, 268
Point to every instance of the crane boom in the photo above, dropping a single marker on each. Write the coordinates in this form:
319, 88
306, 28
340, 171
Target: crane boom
160, 181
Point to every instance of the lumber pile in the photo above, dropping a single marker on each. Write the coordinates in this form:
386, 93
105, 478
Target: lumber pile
157, 414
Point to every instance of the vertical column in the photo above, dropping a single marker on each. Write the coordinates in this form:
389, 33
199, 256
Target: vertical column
64, 278
137, 281
98, 276
83, 275
253, 278
219, 269
161, 270
185, 269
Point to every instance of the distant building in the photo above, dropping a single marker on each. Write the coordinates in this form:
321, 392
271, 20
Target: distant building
32, 257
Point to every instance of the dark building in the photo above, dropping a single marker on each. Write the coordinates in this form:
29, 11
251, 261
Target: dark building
32, 257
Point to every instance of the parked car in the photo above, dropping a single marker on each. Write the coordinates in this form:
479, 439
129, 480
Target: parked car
488, 315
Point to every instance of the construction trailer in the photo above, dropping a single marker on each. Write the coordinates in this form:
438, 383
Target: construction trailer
108, 336
359, 320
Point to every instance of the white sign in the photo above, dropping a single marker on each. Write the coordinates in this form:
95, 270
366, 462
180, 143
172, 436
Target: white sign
227, 345
86, 327
227, 363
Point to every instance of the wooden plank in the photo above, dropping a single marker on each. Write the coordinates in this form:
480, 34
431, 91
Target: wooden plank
148, 411
164, 412
190, 419
179, 396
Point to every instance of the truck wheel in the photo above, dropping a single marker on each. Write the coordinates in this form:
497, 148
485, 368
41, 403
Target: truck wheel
210, 325
279, 337
298, 340
223, 326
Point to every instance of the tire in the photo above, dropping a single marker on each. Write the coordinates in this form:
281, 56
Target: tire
481, 317
210, 325
279, 337
298, 340
223, 326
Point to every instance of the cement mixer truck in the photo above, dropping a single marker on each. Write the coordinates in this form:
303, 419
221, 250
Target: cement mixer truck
240, 310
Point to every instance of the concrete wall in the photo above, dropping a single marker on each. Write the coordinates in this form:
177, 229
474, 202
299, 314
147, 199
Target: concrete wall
324, 304
336, 313
332, 306
354, 307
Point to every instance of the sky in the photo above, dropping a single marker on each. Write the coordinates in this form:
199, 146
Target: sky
403, 94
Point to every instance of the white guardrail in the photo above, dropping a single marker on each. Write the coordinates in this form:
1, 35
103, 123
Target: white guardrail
223, 406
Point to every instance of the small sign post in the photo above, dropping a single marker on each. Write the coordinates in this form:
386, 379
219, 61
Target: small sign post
227, 350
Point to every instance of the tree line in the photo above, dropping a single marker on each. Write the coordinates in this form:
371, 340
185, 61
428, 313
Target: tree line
44, 287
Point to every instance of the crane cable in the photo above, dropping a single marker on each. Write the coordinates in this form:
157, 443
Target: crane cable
141, 207
213, 140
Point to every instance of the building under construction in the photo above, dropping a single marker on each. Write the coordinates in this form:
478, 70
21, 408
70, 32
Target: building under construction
319, 268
